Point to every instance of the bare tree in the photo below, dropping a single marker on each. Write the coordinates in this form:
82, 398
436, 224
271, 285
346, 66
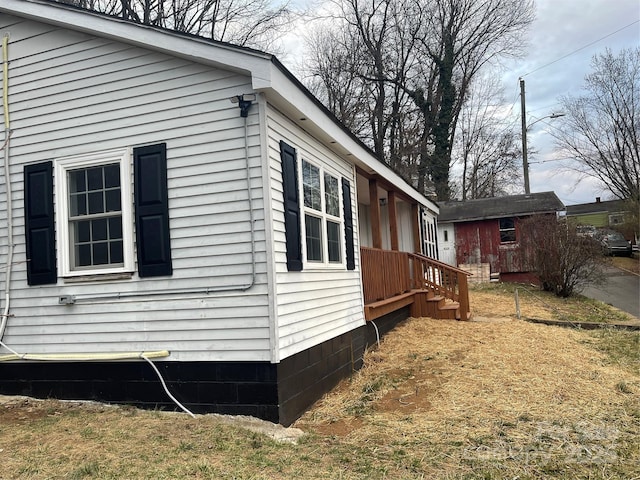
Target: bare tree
253, 23
335, 80
417, 60
602, 127
486, 148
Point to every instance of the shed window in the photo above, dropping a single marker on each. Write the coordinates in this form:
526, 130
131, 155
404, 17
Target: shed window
507, 230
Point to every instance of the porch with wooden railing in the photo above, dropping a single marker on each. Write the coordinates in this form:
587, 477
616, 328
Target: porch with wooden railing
393, 280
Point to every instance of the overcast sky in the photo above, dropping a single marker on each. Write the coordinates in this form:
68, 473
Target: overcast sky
561, 28
562, 40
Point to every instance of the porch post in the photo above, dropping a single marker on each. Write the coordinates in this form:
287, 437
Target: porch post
415, 214
374, 209
393, 220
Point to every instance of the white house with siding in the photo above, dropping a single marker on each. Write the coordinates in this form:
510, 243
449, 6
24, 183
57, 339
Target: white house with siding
171, 198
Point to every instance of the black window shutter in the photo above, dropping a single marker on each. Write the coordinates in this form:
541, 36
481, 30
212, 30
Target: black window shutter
40, 224
291, 207
152, 210
348, 224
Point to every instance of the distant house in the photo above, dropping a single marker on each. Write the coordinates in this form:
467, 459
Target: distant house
171, 198
483, 236
600, 214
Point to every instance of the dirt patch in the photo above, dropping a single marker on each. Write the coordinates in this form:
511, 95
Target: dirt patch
20, 409
16, 410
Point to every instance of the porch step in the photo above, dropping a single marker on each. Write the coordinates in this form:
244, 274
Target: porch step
449, 311
426, 304
423, 303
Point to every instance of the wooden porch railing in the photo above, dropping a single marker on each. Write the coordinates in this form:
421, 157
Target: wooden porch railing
442, 279
387, 274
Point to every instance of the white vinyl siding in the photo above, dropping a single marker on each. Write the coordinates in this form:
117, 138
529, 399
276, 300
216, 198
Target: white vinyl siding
316, 304
74, 94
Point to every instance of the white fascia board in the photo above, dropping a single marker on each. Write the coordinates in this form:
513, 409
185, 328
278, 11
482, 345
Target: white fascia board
238, 59
286, 93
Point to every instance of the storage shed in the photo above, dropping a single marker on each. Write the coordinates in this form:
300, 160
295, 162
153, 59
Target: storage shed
485, 233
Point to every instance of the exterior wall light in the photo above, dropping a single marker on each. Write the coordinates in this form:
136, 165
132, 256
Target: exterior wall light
244, 101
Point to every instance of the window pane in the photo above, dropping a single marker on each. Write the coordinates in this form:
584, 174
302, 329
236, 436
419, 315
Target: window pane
77, 181
99, 230
83, 231
333, 241
83, 255
100, 253
78, 204
313, 230
508, 236
332, 196
112, 176
115, 228
506, 223
116, 252
112, 200
94, 178
96, 203
311, 186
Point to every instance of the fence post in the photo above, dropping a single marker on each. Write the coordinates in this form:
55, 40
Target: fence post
463, 292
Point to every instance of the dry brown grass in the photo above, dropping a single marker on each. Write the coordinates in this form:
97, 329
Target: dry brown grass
497, 396
493, 388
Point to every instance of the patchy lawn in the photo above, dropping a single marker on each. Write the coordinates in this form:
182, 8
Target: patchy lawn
494, 398
631, 264
491, 300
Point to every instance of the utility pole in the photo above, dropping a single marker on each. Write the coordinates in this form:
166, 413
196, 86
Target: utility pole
525, 162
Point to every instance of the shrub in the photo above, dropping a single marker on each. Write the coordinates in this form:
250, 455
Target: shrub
564, 261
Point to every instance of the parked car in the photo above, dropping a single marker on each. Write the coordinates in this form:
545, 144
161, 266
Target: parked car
614, 243
587, 231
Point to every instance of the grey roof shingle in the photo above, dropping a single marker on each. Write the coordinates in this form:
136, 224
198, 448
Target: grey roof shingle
596, 207
499, 207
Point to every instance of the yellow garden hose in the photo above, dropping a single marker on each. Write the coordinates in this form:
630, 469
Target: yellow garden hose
80, 357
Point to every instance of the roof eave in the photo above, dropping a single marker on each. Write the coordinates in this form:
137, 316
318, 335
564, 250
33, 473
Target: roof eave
189, 47
495, 217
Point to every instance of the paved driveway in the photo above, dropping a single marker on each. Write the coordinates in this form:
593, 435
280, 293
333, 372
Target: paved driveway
621, 289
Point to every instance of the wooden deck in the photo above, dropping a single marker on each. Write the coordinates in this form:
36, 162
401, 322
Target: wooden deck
393, 280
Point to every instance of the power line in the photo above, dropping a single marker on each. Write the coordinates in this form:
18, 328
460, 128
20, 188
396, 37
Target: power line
579, 49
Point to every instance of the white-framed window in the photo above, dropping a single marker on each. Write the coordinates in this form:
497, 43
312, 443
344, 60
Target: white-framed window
323, 225
94, 213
